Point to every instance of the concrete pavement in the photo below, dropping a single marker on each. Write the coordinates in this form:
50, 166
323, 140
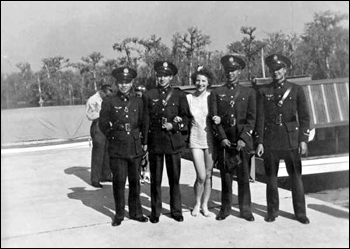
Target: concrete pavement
47, 201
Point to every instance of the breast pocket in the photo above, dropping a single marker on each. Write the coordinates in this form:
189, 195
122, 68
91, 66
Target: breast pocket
173, 108
290, 104
241, 107
269, 104
154, 107
222, 106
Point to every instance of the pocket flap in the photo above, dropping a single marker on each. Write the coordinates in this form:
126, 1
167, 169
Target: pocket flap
292, 126
136, 134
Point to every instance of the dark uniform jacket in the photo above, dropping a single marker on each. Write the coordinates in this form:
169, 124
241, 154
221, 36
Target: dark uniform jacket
237, 113
121, 121
157, 109
282, 127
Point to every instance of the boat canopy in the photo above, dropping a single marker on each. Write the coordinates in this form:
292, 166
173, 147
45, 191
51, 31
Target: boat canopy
328, 99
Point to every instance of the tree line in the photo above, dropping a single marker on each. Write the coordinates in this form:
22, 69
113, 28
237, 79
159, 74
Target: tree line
321, 51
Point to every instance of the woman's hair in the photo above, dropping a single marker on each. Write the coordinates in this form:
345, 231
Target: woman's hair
202, 71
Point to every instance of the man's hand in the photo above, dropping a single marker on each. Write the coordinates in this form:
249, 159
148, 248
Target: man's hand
225, 143
145, 147
167, 126
240, 145
302, 148
217, 120
260, 150
177, 119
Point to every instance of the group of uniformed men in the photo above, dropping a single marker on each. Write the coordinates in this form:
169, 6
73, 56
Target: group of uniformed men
275, 117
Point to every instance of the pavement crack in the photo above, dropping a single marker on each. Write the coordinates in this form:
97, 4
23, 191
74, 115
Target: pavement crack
52, 231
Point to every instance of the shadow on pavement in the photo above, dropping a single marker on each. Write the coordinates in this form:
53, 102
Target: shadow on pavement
102, 200
257, 209
329, 210
81, 172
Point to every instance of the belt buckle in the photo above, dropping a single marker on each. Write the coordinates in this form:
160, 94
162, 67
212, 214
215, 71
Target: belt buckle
164, 120
279, 119
127, 127
232, 121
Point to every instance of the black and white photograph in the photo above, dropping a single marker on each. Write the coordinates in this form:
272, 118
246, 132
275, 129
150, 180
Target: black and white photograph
175, 124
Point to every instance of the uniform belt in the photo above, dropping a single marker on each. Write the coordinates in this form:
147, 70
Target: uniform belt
156, 124
156, 121
123, 127
280, 119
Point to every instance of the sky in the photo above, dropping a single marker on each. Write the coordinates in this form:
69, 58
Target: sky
31, 31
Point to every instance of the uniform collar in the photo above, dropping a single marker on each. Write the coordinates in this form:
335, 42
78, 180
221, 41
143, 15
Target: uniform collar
124, 97
280, 85
232, 86
164, 90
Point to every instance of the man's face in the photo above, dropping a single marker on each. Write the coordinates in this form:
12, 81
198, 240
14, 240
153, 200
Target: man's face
138, 93
106, 92
278, 74
233, 76
164, 80
123, 87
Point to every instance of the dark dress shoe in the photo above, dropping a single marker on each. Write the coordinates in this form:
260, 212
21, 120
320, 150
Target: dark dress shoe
249, 218
141, 219
154, 219
303, 219
116, 222
270, 218
221, 217
178, 218
96, 185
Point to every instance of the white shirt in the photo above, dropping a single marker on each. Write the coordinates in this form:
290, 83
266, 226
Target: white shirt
93, 106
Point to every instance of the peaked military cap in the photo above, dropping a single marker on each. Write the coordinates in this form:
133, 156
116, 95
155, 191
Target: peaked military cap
232, 63
124, 74
165, 68
277, 61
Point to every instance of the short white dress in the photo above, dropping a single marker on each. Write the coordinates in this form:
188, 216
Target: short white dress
201, 134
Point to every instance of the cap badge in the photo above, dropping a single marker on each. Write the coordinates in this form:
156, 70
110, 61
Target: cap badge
165, 64
275, 57
231, 59
126, 71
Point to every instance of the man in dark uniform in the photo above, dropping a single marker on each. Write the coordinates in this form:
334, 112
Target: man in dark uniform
121, 120
233, 110
283, 131
166, 115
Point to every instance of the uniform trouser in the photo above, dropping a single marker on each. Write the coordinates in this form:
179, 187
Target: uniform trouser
173, 166
122, 168
99, 157
293, 163
244, 197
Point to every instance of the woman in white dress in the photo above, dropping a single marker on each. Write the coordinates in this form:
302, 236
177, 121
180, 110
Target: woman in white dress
201, 139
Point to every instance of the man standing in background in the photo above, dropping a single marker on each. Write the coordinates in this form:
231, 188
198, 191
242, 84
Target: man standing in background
100, 171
